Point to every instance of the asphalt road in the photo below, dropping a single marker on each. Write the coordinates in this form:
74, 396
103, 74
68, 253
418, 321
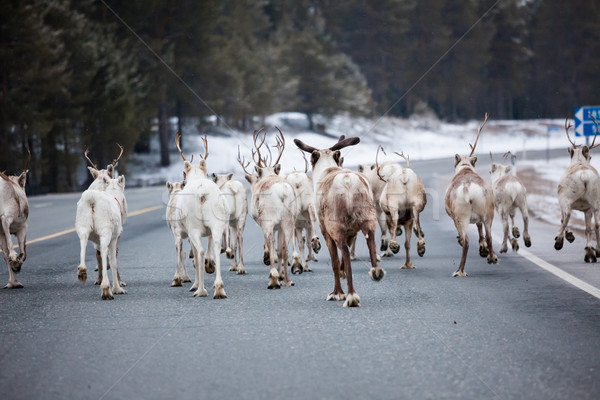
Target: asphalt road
511, 330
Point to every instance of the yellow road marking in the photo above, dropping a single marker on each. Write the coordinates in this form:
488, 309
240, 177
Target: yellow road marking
67, 231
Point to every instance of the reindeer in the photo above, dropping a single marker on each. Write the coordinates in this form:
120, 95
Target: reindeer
100, 216
97, 174
579, 189
509, 194
274, 208
402, 200
345, 207
204, 212
14, 212
303, 186
469, 200
173, 215
373, 174
237, 199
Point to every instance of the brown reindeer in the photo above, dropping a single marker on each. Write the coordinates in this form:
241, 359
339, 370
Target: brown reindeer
345, 207
470, 200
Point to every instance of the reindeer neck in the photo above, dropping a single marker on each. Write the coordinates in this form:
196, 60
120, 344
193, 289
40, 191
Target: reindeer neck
321, 169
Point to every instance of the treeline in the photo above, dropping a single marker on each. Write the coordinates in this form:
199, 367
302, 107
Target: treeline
92, 73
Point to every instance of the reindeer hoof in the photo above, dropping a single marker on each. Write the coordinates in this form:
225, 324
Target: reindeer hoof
503, 248
219, 292
13, 285
296, 269
176, 282
107, 294
570, 237
384, 245
394, 247
229, 254
460, 274
200, 293
492, 259
483, 251
527, 240
352, 300
377, 273
398, 231
191, 255
590, 255
266, 258
316, 245
241, 270
421, 249
558, 243
514, 244
82, 274
515, 232
336, 296
209, 266
408, 265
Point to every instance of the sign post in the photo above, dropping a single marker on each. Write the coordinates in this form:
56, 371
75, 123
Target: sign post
584, 125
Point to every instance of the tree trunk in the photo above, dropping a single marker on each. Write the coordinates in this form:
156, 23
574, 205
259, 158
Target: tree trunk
311, 123
163, 134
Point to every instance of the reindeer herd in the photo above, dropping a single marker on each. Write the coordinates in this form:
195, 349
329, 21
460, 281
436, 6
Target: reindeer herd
344, 202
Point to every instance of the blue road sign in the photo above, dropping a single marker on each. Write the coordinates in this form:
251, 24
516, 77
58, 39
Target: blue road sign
584, 124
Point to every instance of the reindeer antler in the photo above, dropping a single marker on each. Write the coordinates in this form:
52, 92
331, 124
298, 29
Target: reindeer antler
406, 158
260, 161
28, 159
115, 162
85, 153
177, 138
596, 134
567, 126
478, 133
242, 162
377, 162
305, 161
205, 141
280, 145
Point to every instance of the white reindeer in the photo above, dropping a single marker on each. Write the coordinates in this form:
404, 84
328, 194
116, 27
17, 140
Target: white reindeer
579, 189
97, 184
274, 208
14, 212
373, 174
237, 200
174, 217
509, 195
100, 217
345, 207
204, 213
307, 215
469, 200
403, 198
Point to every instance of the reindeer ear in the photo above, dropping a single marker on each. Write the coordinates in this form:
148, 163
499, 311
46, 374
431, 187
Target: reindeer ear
23, 179
277, 169
214, 177
360, 168
248, 178
186, 167
105, 180
94, 172
493, 167
229, 176
314, 157
586, 152
337, 155
571, 151
508, 168
111, 170
122, 181
259, 171
341, 161
473, 161
169, 187
456, 159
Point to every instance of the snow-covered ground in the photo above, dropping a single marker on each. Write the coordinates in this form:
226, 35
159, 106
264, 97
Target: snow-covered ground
418, 138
